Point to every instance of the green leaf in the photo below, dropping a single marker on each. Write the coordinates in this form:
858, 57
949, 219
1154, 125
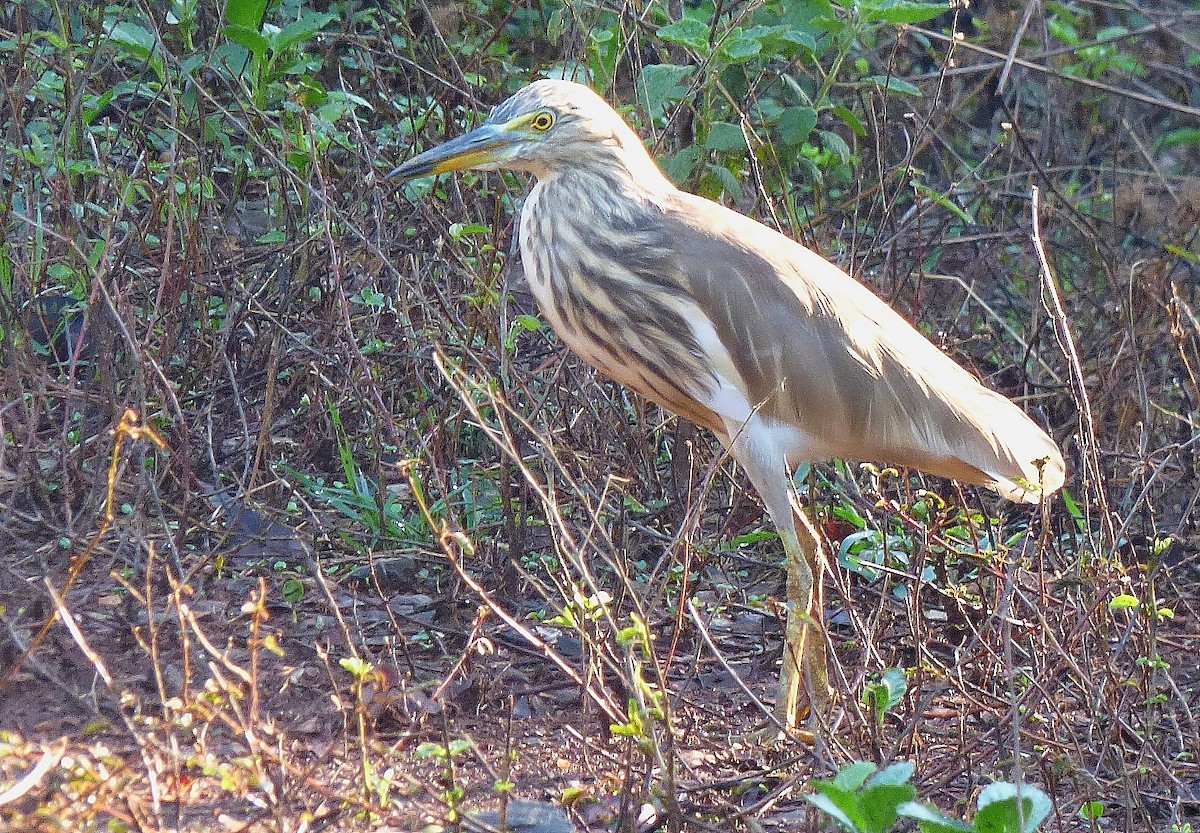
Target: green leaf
738, 48
828, 806
689, 31
1179, 136
726, 180
852, 776
725, 136
931, 820
248, 38
850, 120
902, 11
998, 808
248, 13
359, 668
299, 31
139, 42
679, 166
658, 85
801, 39
814, 18
796, 123
878, 804
893, 84
944, 201
1123, 601
881, 697
835, 144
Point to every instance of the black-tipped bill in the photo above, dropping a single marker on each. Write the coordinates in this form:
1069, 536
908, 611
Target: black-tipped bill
484, 145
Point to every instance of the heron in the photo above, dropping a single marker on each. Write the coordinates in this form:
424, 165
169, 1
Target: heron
733, 325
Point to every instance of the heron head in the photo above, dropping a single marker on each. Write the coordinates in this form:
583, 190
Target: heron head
547, 126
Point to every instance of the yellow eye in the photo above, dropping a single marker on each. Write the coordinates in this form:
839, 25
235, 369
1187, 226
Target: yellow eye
541, 122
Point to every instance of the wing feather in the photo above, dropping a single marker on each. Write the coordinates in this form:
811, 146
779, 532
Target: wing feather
818, 350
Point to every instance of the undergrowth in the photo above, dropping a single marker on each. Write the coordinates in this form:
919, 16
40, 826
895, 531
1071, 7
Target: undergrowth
307, 518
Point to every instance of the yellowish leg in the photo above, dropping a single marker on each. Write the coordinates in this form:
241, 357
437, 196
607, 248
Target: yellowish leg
804, 678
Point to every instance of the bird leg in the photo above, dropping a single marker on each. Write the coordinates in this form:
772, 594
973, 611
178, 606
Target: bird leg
804, 678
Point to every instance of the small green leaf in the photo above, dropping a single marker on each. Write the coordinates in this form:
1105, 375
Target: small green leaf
893, 84
1091, 810
460, 230
835, 144
852, 121
1123, 601
358, 668
882, 696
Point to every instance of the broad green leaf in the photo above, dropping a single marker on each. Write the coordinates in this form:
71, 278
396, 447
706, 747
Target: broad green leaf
835, 144
728, 182
902, 11
796, 123
248, 13
689, 31
802, 39
738, 48
998, 808
852, 776
139, 42
659, 85
931, 820
248, 38
136, 39
814, 18
827, 805
725, 136
299, 31
679, 166
877, 805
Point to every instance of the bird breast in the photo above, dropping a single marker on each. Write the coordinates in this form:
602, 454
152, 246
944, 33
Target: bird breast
606, 281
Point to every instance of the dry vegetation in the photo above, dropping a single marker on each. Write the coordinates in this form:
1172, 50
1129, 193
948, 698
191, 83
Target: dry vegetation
307, 523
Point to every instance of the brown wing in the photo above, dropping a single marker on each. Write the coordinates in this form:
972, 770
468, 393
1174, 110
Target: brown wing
819, 350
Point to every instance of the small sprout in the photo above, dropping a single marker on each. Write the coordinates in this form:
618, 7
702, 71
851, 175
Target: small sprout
358, 668
1123, 601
